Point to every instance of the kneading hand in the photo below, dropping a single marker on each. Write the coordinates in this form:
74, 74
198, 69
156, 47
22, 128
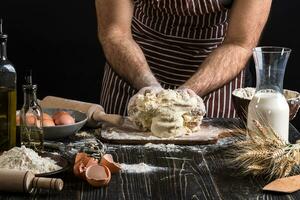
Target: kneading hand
144, 90
192, 94
188, 90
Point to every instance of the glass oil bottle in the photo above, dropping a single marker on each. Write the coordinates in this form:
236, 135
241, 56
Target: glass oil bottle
8, 102
31, 132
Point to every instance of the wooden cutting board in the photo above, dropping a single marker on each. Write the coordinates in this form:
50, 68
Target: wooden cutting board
211, 131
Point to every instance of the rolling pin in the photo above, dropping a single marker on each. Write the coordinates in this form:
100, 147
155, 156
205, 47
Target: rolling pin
25, 181
95, 112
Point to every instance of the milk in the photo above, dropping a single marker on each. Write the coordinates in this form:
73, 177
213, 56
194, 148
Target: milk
270, 108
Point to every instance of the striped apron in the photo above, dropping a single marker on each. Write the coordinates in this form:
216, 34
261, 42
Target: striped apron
175, 36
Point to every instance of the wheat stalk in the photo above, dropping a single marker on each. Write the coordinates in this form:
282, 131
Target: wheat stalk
263, 152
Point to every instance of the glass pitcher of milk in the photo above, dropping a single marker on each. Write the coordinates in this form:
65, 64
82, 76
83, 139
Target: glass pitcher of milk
268, 105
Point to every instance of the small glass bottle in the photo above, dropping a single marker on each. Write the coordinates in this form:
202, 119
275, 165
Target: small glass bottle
269, 106
31, 131
8, 102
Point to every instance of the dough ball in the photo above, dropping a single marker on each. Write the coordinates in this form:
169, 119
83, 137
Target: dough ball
167, 113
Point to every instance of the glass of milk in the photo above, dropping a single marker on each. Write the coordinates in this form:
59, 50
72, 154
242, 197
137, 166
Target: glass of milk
269, 106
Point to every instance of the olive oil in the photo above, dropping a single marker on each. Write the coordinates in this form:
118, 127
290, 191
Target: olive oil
7, 118
31, 132
8, 104
32, 137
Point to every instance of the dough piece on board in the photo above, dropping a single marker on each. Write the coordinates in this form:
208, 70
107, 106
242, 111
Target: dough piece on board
168, 113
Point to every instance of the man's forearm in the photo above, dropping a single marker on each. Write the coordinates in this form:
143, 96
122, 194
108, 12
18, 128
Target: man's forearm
221, 66
246, 22
128, 60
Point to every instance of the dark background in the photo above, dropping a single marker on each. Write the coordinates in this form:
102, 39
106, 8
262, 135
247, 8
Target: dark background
58, 40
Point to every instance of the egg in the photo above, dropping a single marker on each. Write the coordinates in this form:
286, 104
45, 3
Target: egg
46, 116
58, 118
57, 114
48, 122
63, 118
98, 175
18, 120
107, 160
30, 119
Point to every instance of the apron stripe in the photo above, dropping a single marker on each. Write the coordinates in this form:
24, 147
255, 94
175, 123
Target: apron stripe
105, 85
168, 55
176, 39
163, 48
122, 98
112, 97
118, 98
224, 102
219, 104
229, 96
213, 104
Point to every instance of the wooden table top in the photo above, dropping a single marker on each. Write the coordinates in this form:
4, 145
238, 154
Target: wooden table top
178, 172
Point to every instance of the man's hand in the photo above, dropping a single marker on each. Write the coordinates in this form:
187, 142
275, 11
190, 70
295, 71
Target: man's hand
201, 107
191, 92
153, 88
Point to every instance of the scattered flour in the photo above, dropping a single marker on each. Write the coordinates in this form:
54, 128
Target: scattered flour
245, 93
225, 141
22, 158
248, 93
83, 134
206, 133
117, 134
172, 147
140, 168
163, 147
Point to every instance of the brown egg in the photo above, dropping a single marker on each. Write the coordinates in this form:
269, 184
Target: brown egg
47, 116
98, 175
80, 157
63, 118
81, 161
30, 119
108, 161
79, 170
48, 122
58, 114
18, 120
